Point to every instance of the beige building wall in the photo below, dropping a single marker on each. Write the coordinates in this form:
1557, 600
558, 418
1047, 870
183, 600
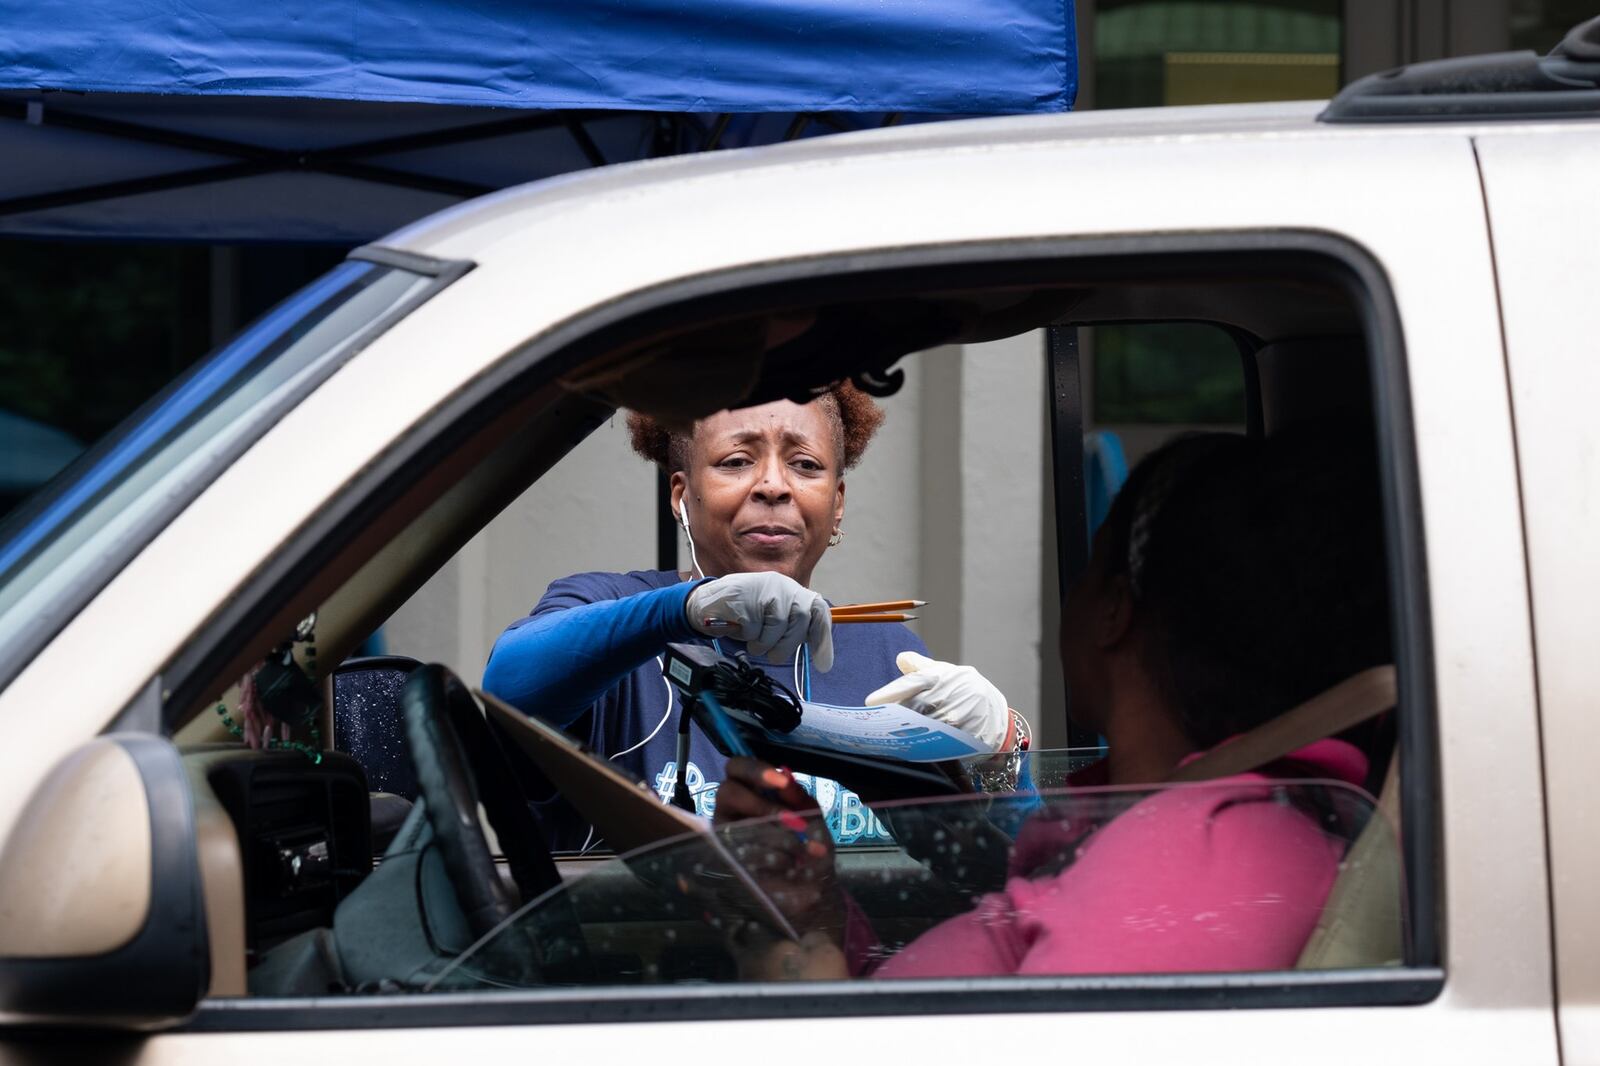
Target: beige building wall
947, 505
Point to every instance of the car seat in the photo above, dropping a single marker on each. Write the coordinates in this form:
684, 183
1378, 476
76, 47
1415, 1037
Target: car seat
1362, 922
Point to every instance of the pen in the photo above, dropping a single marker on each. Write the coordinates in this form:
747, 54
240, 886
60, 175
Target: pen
772, 781
769, 790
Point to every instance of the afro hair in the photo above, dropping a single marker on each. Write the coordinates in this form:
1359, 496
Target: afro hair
854, 414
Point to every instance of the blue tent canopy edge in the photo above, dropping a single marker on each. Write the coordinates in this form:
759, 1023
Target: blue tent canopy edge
935, 56
336, 121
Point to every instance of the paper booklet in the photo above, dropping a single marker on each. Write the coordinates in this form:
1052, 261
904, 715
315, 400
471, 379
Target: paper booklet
887, 732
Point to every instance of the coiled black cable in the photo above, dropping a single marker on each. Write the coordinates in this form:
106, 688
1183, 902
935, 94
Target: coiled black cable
740, 684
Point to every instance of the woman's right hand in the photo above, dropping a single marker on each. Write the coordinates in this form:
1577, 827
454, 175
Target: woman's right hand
956, 695
773, 614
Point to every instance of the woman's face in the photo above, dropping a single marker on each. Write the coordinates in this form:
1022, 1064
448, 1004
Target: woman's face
764, 489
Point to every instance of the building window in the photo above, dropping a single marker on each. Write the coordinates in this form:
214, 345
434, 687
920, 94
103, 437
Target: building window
88, 332
1151, 53
1540, 24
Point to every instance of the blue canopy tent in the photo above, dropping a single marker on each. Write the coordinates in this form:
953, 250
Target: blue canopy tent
338, 120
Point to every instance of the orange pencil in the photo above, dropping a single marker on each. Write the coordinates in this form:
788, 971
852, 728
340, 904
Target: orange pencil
877, 608
849, 613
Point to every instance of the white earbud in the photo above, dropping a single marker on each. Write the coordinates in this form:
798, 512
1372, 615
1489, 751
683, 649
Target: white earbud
683, 519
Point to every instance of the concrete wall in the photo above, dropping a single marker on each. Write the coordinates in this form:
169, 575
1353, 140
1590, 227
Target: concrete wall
948, 505
594, 511
981, 520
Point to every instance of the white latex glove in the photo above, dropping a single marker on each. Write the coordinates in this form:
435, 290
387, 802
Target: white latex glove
955, 695
771, 613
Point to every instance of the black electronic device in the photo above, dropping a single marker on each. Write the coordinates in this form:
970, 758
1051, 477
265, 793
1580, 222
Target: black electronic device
747, 692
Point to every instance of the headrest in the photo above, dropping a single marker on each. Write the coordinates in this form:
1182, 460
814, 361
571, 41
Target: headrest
1310, 378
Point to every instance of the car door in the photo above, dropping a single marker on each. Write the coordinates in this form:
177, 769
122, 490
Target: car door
1546, 224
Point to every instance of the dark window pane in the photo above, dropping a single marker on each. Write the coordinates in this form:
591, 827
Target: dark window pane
115, 493
1150, 53
1167, 372
1540, 24
89, 332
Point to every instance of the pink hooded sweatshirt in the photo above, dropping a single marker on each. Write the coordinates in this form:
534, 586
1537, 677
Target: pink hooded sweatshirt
1219, 876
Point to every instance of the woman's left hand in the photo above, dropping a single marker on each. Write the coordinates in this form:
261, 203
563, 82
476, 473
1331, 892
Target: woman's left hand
956, 695
785, 846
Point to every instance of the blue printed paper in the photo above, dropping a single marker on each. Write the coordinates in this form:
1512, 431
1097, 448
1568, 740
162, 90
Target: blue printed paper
887, 732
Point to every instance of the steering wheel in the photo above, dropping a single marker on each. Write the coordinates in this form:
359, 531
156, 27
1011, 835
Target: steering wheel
455, 756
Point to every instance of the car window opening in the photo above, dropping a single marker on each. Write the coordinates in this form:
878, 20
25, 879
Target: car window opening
1237, 572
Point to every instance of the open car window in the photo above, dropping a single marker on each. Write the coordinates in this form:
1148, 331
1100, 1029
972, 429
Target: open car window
1232, 875
957, 503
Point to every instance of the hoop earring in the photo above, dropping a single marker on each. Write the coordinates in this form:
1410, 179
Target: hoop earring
838, 535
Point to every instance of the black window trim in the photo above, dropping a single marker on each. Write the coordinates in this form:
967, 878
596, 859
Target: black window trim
573, 341
826, 999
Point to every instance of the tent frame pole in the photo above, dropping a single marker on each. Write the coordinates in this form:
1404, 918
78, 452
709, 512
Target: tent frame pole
253, 160
345, 161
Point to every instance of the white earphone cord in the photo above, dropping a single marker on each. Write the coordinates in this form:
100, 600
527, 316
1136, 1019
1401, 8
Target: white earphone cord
589, 842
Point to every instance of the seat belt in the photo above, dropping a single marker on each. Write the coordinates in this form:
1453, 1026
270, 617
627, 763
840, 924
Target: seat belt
1349, 703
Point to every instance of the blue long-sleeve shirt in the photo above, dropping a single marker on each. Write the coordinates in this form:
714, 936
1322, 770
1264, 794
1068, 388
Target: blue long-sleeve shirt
586, 660
559, 660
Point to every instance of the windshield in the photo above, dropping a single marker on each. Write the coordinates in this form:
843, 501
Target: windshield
65, 544
1219, 876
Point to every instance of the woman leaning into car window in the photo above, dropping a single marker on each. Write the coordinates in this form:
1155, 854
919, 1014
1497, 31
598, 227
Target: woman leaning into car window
1233, 580
760, 493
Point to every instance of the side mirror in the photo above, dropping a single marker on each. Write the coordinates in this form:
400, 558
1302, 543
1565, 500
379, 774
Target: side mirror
102, 919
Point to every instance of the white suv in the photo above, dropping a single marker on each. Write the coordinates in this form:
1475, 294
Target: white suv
1422, 254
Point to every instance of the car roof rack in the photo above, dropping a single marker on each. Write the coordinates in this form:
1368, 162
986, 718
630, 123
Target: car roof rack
1502, 85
